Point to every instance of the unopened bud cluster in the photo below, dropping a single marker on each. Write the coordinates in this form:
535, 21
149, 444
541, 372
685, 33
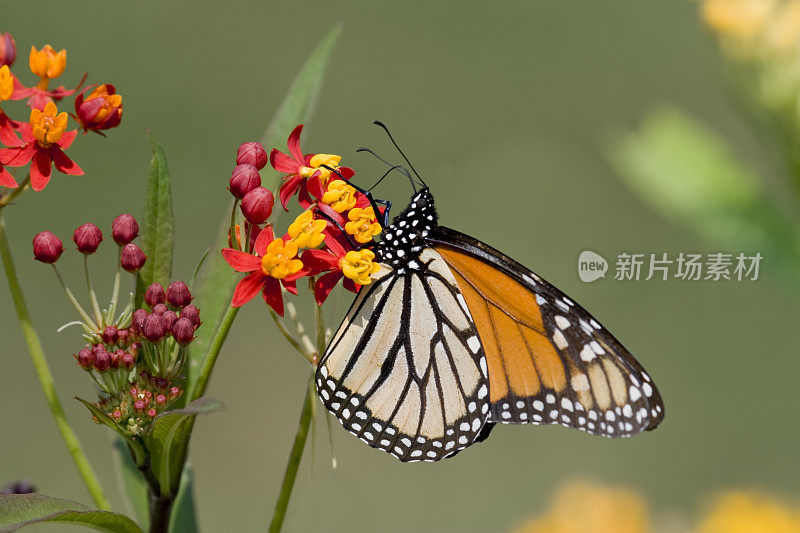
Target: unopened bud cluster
245, 183
135, 406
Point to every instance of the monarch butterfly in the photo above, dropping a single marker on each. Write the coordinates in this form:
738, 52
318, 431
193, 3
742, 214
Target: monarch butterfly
452, 337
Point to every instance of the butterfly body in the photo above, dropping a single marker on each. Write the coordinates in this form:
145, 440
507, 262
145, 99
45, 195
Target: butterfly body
453, 336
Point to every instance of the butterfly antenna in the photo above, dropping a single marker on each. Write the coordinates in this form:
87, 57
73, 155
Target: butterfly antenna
382, 125
373, 202
403, 170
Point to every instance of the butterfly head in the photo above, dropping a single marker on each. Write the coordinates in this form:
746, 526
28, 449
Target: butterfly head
403, 240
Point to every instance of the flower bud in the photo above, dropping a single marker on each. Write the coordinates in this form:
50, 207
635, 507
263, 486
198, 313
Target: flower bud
128, 360
101, 110
18, 487
123, 338
87, 238
124, 229
154, 328
110, 335
161, 399
192, 313
47, 248
161, 383
244, 179
152, 413
183, 331
117, 414
155, 294
174, 392
252, 153
85, 358
257, 205
102, 361
160, 309
8, 49
137, 319
178, 294
169, 318
140, 405
131, 258
116, 359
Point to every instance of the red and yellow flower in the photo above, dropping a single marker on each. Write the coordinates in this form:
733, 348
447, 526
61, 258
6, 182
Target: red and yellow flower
356, 266
306, 231
363, 225
45, 138
101, 110
47, 64
273, 264
306, 175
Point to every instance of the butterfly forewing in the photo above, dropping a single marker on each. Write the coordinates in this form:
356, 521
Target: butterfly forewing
550, 361
406, 372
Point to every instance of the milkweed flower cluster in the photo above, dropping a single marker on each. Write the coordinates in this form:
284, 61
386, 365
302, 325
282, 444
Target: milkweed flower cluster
327, 242
135, 355
42, 139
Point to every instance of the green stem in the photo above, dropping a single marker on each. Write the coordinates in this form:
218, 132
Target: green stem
112, 308
86, 318
212, 353
46, 377
294, 461
92, 296
288, 336
7, 199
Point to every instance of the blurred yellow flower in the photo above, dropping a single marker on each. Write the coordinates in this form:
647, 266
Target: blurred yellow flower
588, 508
740, 19
783, 34
750, 512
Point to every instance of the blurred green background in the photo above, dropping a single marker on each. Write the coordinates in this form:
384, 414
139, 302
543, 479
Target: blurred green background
503, 107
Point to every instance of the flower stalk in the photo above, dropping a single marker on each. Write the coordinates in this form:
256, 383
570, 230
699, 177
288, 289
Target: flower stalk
46, 378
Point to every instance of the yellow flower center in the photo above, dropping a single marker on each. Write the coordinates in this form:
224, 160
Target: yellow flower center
48, 125
110, 102
280, 261
307, 232
47, 63
362, 225
6, 83
340, 196
358, 266
318, 162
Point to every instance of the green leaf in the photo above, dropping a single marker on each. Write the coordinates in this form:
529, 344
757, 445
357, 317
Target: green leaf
184, 514
217, 279
168, 441
104, 419
157, 236
20, 510
692, 177
132, 484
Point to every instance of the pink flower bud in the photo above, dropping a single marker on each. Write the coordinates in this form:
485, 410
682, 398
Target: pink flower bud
155, 294
137, 319
178, 294
154, 328
128, 360
244, 179
160, 309
110, 335
117, 414
183, 331
192, 313
170, 317
131, 258
100, 109
124, 229
161, 399
8, 49
116, 359
123, 338
85, 358
140, 405
102, 361
252, 153
87, 238
257, 205
174, 392
47, 248
152, 413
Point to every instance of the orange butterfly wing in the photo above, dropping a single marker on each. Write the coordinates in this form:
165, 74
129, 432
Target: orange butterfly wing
549, 360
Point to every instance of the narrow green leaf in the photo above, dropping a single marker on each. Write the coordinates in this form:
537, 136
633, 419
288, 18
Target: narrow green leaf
107, 421
168, 441
692, 177
20, 510
157, 235
217, 279
184, 514
131, 482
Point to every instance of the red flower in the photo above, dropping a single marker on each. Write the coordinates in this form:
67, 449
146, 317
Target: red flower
44, 140
307, 175
47, 64
7, 126
274, 264
356, 266
101, 110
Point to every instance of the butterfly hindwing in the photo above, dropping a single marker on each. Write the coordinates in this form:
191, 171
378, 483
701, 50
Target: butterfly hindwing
550, 361
406, 372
